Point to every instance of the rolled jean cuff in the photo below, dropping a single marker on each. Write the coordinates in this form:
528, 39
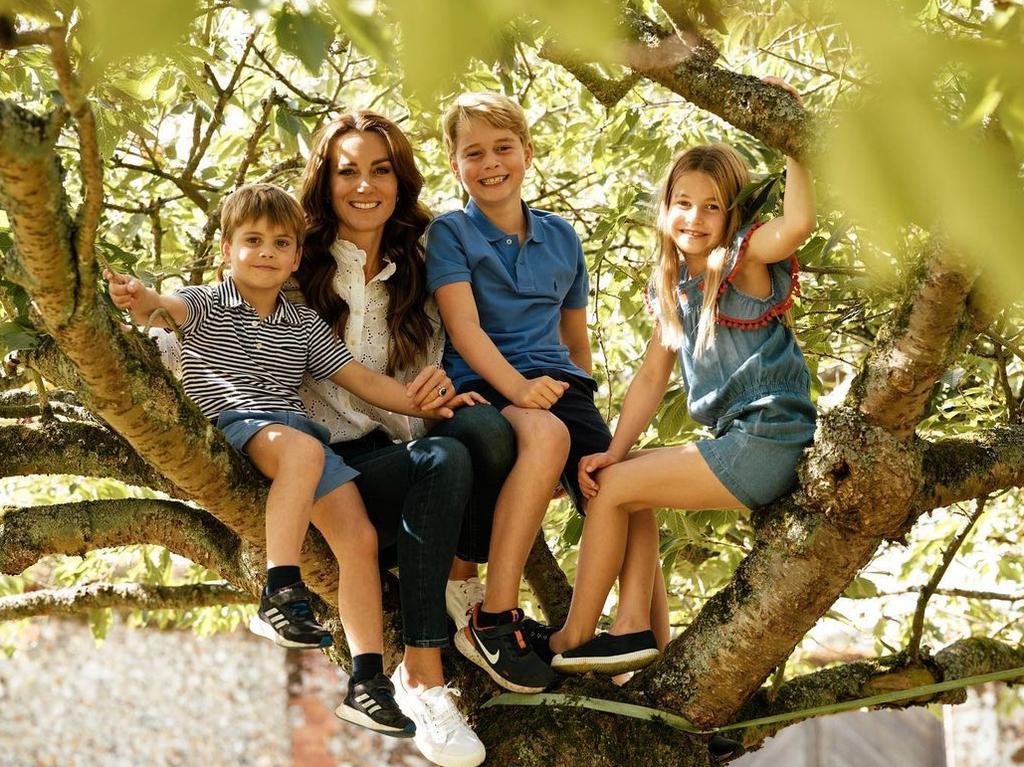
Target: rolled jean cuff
425, 644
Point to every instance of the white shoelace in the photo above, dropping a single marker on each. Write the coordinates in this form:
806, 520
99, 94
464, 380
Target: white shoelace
441, 712
472, 591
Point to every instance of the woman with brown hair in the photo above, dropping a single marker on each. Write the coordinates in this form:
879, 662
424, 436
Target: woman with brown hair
429, 489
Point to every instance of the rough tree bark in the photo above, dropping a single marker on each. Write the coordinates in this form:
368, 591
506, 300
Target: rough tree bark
865, 480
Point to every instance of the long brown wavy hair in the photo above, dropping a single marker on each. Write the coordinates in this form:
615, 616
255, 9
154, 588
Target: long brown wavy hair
409, 326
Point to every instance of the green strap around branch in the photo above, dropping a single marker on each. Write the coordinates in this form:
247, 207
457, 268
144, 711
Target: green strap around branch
681, 723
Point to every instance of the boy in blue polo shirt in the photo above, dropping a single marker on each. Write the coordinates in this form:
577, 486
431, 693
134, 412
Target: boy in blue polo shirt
511, 284
245, 349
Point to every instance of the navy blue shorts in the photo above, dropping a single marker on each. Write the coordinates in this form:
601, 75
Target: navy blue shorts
239, 426
588, 432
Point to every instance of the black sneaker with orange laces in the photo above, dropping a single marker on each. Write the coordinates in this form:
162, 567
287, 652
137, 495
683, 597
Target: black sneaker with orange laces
504, 653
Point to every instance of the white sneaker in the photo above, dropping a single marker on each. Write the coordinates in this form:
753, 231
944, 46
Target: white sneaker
459, 598
442, 734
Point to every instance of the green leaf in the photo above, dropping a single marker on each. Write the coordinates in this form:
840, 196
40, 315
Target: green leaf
861, 588
305, 36
112, 30
100, 622
16, 335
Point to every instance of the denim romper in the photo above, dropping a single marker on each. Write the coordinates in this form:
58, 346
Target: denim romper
752, 386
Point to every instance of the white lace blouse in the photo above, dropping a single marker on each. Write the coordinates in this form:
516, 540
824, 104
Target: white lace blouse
366, 335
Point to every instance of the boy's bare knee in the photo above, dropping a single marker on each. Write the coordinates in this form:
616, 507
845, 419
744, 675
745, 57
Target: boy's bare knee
539, 430
303, 452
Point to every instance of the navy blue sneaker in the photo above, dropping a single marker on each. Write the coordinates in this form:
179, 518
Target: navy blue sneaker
286, 619
504, 653
609, 654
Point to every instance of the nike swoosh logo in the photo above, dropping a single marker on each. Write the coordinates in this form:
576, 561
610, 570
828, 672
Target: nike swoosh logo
492, 659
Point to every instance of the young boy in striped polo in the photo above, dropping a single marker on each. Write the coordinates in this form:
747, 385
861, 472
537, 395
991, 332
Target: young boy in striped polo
245, 349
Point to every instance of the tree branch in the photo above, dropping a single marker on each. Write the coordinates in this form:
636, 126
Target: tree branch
930, 328
917, 625
223, 96
126, 596
83, 449
91, 166
29, 534
970, 466
607, 91
548, 582
686, 65
964, 658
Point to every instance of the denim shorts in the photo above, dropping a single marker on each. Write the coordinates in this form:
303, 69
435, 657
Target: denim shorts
758, 446
239, 426
588, 431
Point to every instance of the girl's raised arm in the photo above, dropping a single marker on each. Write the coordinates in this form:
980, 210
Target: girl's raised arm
779, 238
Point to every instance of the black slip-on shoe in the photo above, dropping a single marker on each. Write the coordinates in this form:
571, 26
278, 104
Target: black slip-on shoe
609, 654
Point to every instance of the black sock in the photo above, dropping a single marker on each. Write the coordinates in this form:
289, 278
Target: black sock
279, 577
366, 666
489, 620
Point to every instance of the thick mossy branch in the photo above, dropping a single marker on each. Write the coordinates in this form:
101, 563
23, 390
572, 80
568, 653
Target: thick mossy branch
549, 736
861, 679
124, 596
607, 91
930, 328
970, 466
58, 447
29, 534
686, 64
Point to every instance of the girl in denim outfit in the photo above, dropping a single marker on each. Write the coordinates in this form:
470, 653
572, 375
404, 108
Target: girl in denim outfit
721, 293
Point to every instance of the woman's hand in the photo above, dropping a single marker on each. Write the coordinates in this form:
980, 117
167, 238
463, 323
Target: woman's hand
590, 465
447, 410
430, 389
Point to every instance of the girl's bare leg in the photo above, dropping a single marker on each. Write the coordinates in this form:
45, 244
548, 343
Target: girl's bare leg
675, 477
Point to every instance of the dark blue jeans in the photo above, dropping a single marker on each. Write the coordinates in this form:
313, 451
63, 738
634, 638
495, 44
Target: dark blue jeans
431, 498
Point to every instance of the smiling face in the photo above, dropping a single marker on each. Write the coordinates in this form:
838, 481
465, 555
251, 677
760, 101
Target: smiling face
363, 184
490, 162
261, 255
695, 218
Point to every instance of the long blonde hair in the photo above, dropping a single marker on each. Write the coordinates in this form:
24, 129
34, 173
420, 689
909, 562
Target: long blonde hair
729, 174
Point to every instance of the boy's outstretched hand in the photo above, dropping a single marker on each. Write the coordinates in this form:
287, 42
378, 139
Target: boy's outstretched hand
590, 465
542, 392
128, 293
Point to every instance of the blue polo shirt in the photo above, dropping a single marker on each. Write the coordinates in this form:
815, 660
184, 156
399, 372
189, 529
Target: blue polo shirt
519, 291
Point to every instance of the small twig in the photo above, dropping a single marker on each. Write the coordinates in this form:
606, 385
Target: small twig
778, 677
223, 96
281, 78
91, 166
845, 271
166, 317
188, 187
917, 626
45, 411
254, 138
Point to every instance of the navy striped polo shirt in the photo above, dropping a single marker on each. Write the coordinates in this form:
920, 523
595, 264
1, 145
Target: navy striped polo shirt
233, 360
